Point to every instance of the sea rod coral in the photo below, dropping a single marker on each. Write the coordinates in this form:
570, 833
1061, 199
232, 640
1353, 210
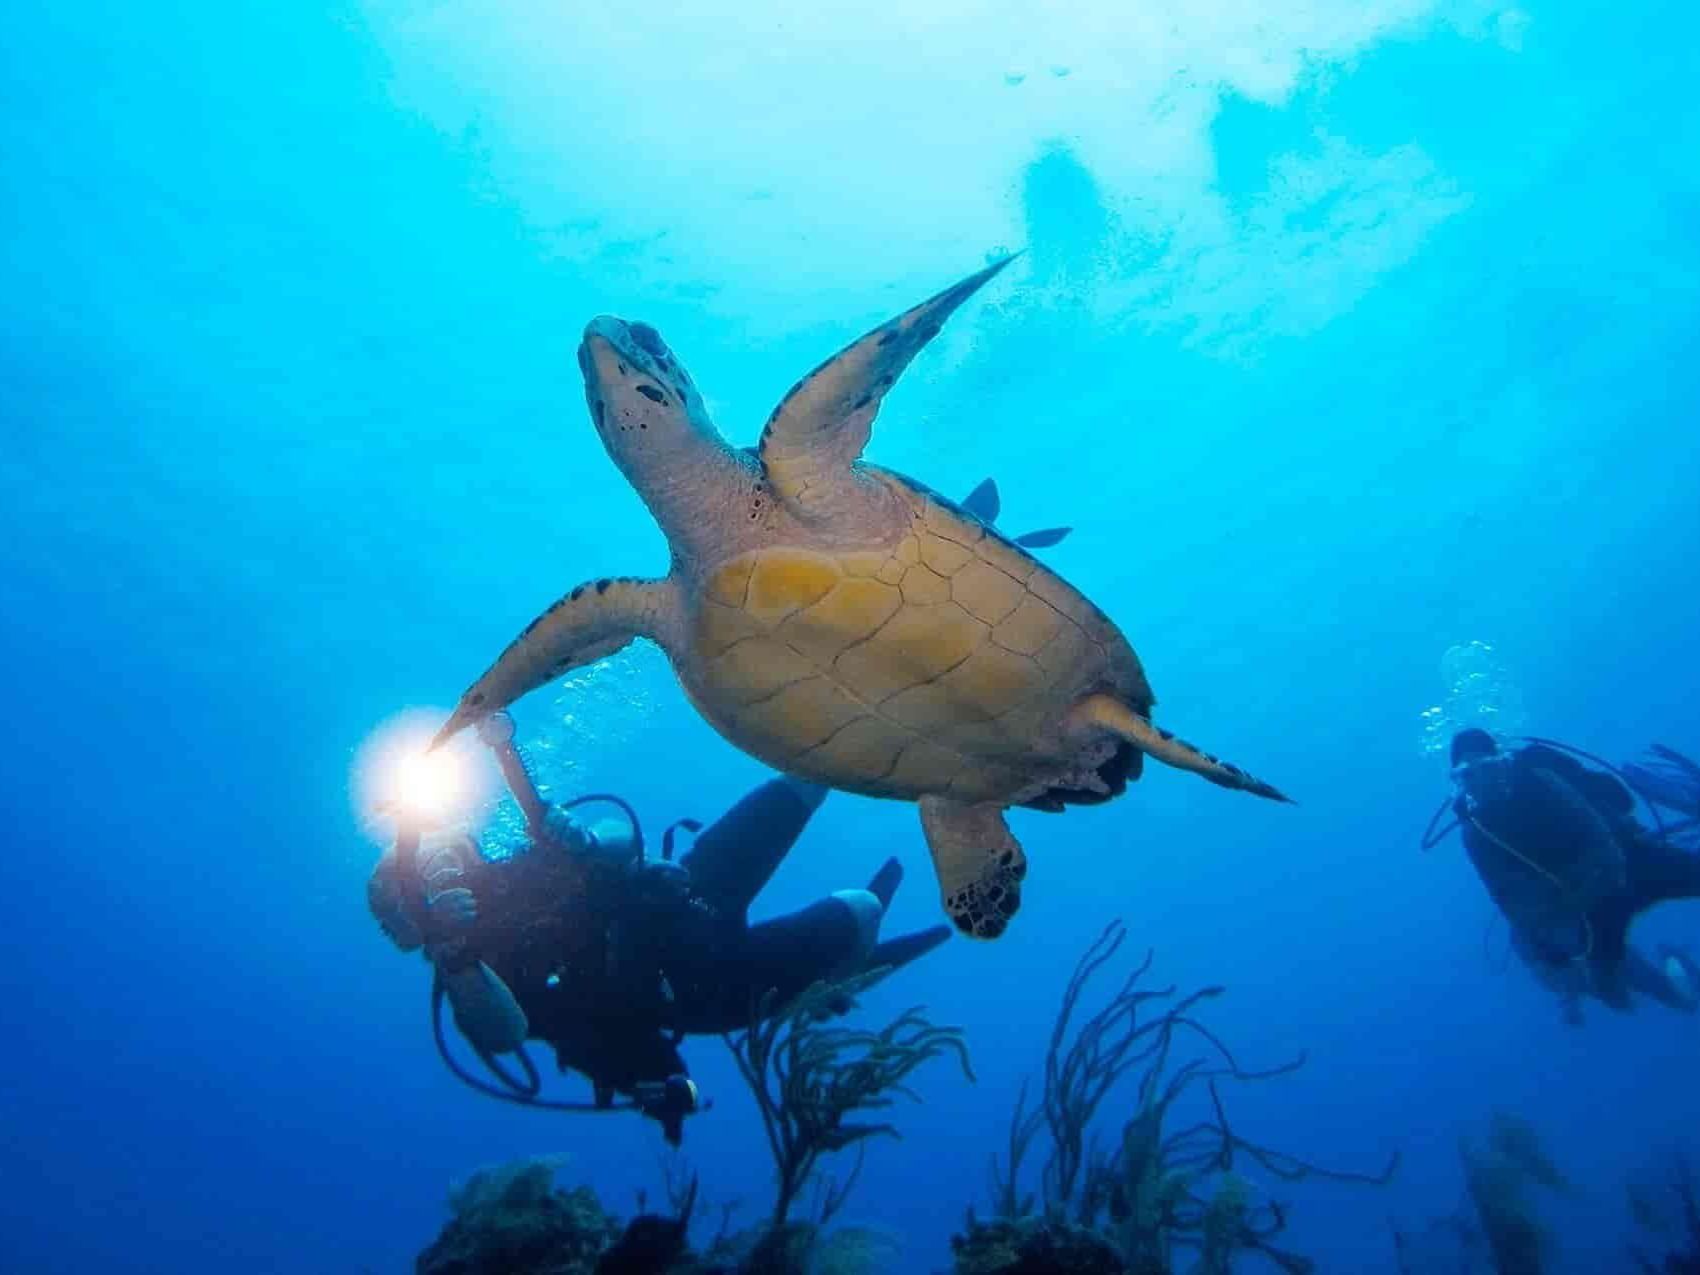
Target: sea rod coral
1157, 1187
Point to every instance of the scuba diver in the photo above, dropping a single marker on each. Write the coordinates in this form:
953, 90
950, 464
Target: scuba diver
583, 941
1565, 860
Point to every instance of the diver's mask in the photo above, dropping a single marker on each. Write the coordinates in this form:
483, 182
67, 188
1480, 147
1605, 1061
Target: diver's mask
1483, 780
663, 881
615, 838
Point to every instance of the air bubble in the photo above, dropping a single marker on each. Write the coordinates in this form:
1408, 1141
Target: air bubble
1479, 692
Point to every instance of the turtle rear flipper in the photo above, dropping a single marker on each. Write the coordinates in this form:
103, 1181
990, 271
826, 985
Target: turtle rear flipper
983, 502
594, 620
1044, 538
823, 424
979, 864
986, 504
1108, 713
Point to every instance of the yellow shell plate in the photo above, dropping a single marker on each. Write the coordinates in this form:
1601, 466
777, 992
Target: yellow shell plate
942, 666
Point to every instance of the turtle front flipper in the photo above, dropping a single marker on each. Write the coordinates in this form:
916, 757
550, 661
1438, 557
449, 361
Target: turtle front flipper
979, 864
985, 503
823, 423
594, 620
1105, 712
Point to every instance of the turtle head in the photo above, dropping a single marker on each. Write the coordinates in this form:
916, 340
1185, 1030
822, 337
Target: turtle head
645, 409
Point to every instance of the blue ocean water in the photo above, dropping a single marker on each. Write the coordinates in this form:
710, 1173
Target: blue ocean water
1347, 334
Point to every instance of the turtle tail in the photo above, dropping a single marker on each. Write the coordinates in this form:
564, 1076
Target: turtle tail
1108, 713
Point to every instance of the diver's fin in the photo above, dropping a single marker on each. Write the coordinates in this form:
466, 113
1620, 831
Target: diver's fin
978, 861
983, 502
1043, 539
1671, 780
734, 858
823, 424
594, 620
884, 885
1678, 760
1105, 712
1660, 873
898, 952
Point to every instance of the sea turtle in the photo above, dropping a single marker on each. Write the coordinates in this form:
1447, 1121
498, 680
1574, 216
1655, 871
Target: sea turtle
847, 624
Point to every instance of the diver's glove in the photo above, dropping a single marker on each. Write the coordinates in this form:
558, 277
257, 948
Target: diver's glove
484, 1008
442, 867
437, 865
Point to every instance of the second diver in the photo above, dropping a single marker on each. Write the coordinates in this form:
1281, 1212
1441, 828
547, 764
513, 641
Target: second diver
1561, 853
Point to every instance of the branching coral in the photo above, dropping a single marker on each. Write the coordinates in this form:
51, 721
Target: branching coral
1157, 1189
809, 1077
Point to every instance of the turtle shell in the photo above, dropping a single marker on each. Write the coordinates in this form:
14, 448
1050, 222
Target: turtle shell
943, 664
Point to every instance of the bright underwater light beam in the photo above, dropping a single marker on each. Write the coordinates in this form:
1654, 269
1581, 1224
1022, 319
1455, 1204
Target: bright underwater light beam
396, 779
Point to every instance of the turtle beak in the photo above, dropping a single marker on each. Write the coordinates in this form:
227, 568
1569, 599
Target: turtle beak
600, 353
615, 355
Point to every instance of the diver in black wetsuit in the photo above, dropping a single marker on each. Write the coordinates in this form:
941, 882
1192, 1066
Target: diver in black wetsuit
611, 957
1565, 860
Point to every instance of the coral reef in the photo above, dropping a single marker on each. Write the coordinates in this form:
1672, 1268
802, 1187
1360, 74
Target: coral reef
1159, 1190
1034, 1246
512, 1218
808, 1077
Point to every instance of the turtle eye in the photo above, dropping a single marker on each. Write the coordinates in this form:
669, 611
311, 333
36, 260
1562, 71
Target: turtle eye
648, 340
